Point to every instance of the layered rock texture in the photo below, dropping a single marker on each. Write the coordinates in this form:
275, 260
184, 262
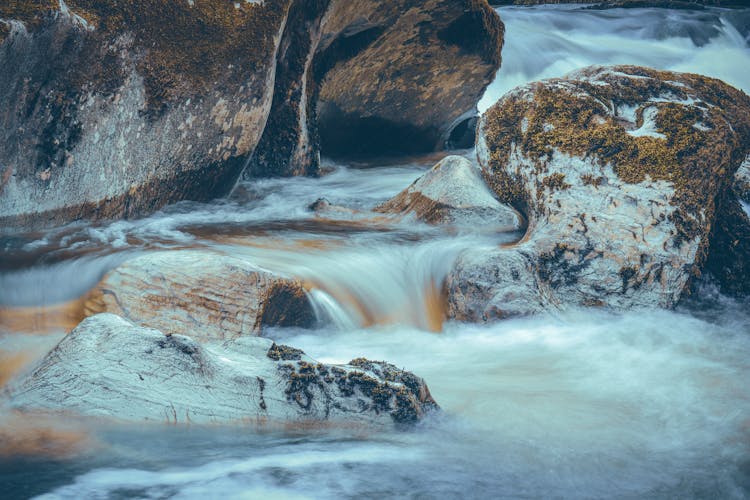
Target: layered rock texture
205, 295
623, 173
453, 192
115, 109
109, 367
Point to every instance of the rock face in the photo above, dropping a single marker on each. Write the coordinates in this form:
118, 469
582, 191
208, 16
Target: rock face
729, 254
370, 104
109, 367
453, 192
201, 294
378, 78
116, 109
618, 171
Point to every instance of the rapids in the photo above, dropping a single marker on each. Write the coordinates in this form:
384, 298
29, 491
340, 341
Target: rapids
580, 404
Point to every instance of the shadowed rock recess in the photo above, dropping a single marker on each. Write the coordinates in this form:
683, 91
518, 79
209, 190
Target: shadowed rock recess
109, 367
112, 109
625, 175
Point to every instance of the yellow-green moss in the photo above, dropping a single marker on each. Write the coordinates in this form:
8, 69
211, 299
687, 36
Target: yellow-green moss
572, 117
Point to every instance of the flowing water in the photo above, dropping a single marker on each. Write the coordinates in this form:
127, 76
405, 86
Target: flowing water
581, 404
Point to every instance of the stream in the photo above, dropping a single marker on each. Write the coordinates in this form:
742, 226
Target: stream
577, 404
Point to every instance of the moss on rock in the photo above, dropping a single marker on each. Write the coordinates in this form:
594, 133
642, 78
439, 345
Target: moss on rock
702, 131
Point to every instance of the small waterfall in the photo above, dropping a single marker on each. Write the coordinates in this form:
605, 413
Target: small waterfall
380, 284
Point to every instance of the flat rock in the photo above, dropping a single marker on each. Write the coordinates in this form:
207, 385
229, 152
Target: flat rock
110, 367
453, 192
618, 170
205, 295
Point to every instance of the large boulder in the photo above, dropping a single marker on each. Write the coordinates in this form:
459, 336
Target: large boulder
109, 367
399, 76
453, 192
202, 294
114, 109
618, 170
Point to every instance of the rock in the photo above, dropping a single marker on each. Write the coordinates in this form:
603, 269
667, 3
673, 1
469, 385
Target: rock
401, 75
115, 109
618, 171
741, 185
111, 109
453, 192
202, 294
109, 367
729, 254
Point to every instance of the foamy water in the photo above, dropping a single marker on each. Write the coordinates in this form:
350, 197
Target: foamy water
582, 404
550, 41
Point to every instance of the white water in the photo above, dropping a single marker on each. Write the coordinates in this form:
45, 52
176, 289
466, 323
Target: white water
550, 41
582, 405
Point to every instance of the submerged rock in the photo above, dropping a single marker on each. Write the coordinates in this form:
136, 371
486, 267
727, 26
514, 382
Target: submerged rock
453, 192
105, 112
204, 295
109, 367
618, 171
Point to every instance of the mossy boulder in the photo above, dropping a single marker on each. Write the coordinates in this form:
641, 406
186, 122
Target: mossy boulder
620, 171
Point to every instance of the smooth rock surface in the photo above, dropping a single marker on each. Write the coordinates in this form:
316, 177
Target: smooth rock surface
618, 171
453, 192
400, 75
109, 367
205, 295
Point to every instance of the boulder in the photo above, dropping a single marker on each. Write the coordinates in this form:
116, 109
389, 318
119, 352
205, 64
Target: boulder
202, 294
105, 112
453, 192
618, 170
114, 109
399, 76
111, 109
110, 367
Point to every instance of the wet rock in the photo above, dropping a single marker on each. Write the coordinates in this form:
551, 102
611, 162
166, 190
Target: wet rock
116, 109
729, 254
453, 192
110, 367
202, 294
401, 75
112, 110
741, 185
618, 171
